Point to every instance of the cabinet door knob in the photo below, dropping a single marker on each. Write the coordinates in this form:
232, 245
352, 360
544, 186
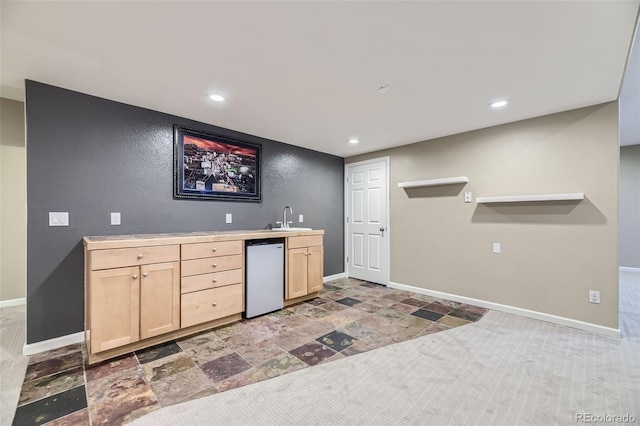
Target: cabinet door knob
214, 249
139, 256
145, 275
214, 265
214, 280
214, 304
135, 276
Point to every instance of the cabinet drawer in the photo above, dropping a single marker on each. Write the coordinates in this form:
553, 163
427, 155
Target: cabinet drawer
211, 264
208, 305
216, 279
304, 241
117, 258
221, 248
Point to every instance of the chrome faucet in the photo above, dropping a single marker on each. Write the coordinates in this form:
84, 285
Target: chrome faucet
285, 223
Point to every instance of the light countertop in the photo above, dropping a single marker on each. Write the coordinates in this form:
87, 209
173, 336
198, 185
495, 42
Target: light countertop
138, 240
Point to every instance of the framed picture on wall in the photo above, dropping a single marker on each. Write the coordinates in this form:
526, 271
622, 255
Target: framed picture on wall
214, 167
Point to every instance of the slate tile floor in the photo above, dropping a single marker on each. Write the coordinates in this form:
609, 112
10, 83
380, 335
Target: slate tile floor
349, 317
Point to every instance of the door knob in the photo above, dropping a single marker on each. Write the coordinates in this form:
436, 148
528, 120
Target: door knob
382, 230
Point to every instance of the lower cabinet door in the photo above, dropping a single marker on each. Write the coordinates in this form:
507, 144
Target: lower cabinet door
315, 264
159, 299
296, 273
208, 305
114, 308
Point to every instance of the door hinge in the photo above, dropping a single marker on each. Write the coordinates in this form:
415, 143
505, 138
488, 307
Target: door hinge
347, 259
347, 179
347, 219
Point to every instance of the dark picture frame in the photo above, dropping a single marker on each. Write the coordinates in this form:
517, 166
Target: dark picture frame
214, 167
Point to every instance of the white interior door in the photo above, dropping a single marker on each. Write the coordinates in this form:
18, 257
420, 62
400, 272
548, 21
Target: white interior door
367, 222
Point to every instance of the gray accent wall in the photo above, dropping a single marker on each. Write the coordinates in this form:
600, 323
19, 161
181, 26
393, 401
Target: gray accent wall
90, 156
629, 206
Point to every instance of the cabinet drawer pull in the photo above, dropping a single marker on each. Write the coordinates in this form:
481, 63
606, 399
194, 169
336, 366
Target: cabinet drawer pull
146, 274
135, 276
215, 265
214, 249
139, 256
214, 304
214, 280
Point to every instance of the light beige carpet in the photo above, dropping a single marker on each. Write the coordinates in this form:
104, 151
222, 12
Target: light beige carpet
12, 364
502, 370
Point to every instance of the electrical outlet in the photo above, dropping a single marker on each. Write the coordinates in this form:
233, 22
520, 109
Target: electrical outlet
497, 248
229, 218
594, 296
300, 218
115, 218
468, 196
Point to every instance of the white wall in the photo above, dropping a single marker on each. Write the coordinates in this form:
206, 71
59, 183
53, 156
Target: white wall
552, 253
629, 210
13, 201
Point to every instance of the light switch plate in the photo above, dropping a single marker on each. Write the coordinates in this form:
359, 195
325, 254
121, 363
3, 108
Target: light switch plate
300, 218
229, 218
58, 218
594, 296
468, 196
115, 218
496, 248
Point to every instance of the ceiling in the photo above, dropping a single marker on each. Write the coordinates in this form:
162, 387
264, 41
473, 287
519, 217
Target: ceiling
308, 73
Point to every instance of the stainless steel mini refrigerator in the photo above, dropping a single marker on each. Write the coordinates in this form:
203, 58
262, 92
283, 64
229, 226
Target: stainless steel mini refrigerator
264, 276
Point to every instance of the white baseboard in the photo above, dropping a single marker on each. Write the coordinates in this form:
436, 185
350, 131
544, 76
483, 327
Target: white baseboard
568, 322
334, 277
628, 269
58, 342
12, 302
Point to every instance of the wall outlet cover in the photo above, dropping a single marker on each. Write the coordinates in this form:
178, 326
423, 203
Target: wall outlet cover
468, 196
594, 296
229, 218
115, 218
58, 218
497, 249
300, 218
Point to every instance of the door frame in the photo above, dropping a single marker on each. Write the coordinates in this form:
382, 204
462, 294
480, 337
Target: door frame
387, 161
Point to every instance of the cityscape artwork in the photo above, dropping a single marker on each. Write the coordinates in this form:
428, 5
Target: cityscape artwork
213, 167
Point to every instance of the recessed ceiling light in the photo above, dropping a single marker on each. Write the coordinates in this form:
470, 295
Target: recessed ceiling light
499, 104
353, 140
216, 97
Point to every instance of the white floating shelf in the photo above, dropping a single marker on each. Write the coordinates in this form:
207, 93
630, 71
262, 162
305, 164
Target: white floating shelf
526, 198
433, 182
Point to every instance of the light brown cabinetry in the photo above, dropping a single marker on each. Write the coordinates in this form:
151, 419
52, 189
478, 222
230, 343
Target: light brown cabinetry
159, 299
212, 281
304, 266
130, 303
115, 304
142, 290
208, 305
